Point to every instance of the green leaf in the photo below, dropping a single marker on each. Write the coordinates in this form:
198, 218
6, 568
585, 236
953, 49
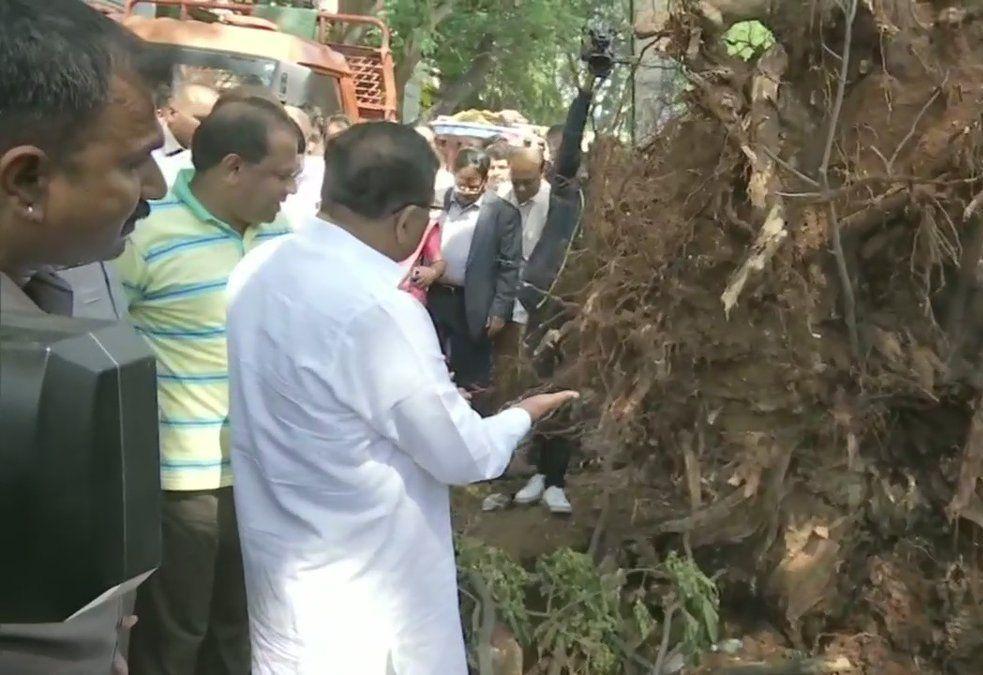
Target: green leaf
643, 619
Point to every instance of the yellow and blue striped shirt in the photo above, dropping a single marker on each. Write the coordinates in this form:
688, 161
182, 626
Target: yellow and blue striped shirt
174, 270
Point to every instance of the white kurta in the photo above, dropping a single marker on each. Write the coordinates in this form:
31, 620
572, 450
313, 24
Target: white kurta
346, 433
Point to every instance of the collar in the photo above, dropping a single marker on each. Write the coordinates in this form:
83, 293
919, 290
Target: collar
13, 297
171, 146
542, 196
44, 292
182, 192
477, 204
337, 239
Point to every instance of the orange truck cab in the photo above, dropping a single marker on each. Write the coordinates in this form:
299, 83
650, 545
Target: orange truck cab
226, 44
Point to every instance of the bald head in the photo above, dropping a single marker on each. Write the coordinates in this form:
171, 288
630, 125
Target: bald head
195, 100
526, 160
526, 170
304, 123
190, 104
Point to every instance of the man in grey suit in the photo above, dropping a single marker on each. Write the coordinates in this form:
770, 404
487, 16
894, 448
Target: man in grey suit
481, 244
77, 128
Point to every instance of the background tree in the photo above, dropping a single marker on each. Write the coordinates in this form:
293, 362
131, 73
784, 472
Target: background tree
499, 53
495, 54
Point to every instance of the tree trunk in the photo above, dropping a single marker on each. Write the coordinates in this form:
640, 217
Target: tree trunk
458, 90
453, 93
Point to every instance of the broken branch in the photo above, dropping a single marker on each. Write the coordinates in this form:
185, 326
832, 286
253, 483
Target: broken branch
849, 298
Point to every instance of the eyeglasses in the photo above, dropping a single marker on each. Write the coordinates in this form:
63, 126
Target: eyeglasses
469, 189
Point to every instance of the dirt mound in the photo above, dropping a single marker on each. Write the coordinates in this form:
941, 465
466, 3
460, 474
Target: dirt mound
778, 320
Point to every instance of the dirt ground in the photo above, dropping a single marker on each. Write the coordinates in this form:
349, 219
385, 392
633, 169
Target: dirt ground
758, 646
527, 532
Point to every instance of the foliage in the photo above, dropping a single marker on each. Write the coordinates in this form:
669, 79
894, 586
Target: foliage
495, 54
698, 602
748, 39
644, 621
593, 619
583, 611
519, 54
505, 579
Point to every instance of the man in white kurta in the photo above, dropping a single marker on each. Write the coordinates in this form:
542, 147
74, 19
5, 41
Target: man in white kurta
347, 431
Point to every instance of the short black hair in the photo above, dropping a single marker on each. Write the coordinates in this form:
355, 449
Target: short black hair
57, 62
238, 128
376, 168
251, 92
474, 158
244, 92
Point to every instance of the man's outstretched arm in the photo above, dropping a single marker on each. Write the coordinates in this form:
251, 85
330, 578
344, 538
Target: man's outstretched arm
400, 385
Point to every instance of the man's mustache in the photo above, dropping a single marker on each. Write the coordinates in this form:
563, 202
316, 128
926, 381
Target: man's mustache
141, 212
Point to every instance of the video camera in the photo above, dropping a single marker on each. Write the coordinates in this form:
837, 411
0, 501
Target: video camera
598, 51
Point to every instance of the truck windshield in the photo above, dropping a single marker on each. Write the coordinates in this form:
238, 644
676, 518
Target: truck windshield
293, 84
220, 70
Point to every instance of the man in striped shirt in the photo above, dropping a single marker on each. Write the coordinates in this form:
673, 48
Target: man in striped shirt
174, 270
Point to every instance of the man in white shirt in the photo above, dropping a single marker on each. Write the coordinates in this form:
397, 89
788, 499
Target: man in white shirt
305, 202
347, 430
533, 201
179, 119
444, 181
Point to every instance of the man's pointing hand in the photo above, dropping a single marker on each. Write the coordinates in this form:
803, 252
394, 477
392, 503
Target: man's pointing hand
542, 405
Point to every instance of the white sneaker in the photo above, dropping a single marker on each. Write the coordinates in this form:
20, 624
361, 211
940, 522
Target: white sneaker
533, 490
556, 500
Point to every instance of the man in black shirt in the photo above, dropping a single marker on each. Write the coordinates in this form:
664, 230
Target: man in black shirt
544, 264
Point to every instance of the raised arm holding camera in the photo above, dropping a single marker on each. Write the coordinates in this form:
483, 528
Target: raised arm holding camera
547, 234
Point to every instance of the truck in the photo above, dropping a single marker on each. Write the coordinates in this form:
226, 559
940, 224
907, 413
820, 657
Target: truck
319, 61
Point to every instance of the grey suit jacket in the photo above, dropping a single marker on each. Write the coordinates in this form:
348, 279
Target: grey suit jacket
494, 260
86, 644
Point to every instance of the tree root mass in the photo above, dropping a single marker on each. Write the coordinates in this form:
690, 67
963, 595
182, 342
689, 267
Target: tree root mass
786, 341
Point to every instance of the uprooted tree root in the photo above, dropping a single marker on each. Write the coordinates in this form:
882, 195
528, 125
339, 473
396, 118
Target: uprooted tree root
779, 319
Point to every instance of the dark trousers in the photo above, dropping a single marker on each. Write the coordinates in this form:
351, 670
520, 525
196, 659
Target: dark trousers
470, 358
552, 455
192, 611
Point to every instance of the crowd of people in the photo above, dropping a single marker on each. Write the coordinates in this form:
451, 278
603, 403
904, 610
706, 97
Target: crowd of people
326, 302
